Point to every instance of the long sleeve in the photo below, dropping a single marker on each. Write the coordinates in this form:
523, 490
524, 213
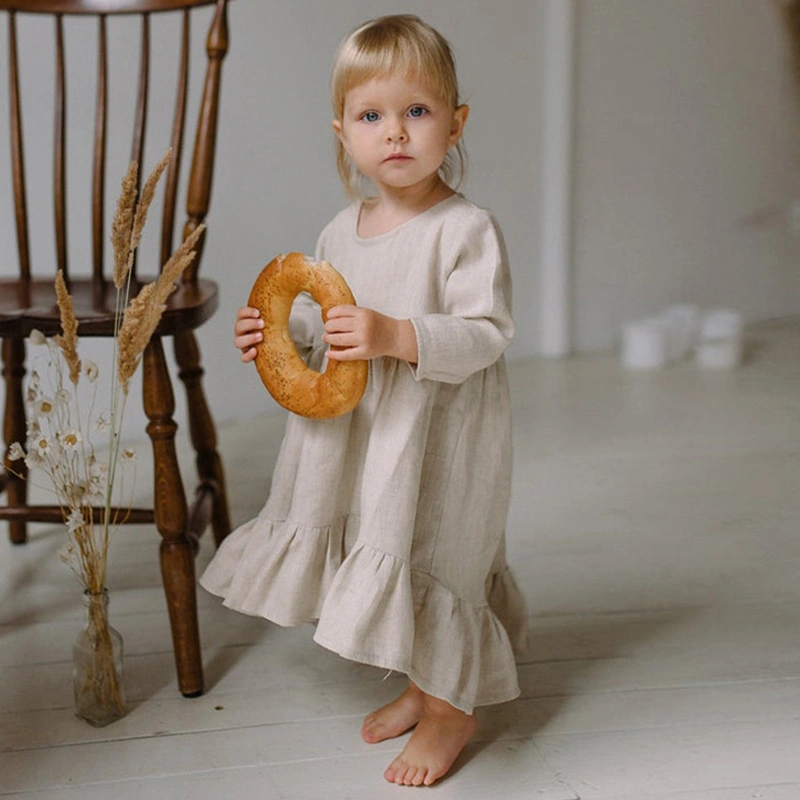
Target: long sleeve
475, 325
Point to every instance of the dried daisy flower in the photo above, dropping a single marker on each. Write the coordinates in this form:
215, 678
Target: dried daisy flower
70, 439
44, 407
75, 520
33, 459
66, 553
91, 370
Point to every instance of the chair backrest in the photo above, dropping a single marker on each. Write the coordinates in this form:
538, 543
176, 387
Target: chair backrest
202, 166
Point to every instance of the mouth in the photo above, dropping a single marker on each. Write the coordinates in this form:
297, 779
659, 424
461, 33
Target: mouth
397, 157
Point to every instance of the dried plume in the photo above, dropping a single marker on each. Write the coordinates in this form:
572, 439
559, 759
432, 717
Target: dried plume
122, 226
68, 341
177, 263
144, 312
146, 198
140, 320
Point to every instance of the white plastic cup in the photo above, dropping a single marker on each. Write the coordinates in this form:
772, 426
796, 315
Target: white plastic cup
683, 327
721, 341
719, 353
722, 323
644, 344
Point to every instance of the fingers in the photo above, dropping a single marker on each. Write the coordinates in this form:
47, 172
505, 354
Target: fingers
247, 319
356, 333
346, 319
342, 337
341, 328
247, 345
348, 354
247, 332
249, 355
247, 312
341, 311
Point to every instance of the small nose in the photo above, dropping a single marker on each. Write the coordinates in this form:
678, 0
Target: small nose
396, 132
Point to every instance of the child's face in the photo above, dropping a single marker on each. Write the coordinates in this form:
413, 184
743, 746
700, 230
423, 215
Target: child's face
398, 131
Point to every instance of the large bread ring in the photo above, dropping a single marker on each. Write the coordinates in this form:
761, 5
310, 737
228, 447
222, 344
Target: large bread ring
293, 384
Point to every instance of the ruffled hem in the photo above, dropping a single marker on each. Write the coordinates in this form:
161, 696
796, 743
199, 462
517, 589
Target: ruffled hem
373, 608
505, 599
277, 570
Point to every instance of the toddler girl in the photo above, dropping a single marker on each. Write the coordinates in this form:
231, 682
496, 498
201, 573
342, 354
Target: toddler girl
386, 526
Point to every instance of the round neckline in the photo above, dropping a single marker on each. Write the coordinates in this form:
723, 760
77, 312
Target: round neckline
386, 234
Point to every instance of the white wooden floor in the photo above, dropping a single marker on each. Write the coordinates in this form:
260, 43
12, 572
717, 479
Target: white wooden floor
655, 528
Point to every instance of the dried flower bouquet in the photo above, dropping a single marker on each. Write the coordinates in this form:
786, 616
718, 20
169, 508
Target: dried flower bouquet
63, 417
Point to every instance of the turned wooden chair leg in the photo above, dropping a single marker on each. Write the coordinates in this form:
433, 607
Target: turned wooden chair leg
14, 430
177, 552
203, 433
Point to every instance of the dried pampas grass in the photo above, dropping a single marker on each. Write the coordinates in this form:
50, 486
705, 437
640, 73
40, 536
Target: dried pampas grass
131, 217
141, 316
146, 197
68, 341
122, 226
144, 313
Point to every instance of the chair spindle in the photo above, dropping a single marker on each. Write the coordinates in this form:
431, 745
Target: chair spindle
17, 154
200, 178
178, 125
99, 165
140, 124
59, 160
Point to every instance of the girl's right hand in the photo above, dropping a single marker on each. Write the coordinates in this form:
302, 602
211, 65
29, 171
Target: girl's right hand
247, 332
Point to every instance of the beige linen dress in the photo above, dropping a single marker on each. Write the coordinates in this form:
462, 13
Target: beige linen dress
386, 526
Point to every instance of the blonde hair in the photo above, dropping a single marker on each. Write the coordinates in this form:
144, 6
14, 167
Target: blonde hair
403, 44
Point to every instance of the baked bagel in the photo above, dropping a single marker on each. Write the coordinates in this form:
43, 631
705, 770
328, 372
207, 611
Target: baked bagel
293, 384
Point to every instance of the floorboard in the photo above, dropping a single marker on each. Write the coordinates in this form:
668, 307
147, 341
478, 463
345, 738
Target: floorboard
653, 530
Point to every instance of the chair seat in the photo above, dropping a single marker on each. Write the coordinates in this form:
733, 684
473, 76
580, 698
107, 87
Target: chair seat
28, 306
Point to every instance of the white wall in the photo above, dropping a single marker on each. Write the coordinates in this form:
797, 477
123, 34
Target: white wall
276, 183
686, 154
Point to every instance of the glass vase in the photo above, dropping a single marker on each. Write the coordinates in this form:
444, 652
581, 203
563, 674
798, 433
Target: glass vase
97, 666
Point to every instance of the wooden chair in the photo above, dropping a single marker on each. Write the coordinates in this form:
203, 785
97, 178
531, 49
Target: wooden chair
27, 301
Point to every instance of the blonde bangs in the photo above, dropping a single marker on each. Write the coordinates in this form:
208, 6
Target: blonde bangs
398, 45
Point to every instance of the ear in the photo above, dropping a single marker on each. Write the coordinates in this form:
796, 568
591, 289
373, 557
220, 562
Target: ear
339, 131
459, 121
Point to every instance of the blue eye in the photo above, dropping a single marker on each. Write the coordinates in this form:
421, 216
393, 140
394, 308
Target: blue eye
417, 111
370, 116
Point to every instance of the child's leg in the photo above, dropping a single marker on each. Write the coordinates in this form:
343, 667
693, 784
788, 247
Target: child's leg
437, 740
394, 718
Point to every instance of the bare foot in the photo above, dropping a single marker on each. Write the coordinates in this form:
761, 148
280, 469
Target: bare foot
395, 718
433, 747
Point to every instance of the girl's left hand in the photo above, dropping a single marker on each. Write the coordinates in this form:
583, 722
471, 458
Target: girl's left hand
356, 333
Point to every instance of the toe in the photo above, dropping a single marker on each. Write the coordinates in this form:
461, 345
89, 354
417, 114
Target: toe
420, 777
369, 732
395, 772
